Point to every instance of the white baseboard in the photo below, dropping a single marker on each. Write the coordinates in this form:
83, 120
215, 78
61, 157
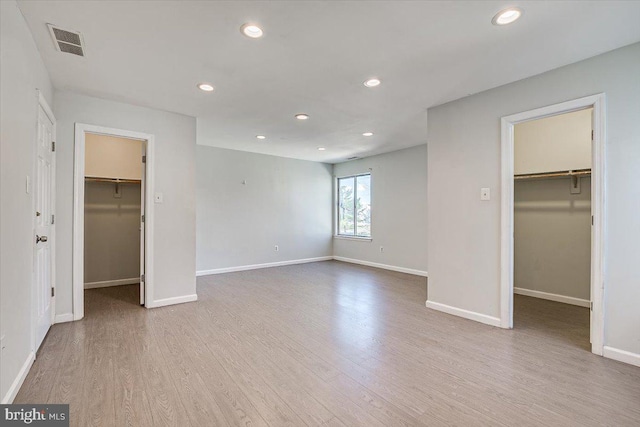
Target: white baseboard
173, 300
471, 315
17, 382
107, 283
62, 318
257, 266
621, 355
306, 260
552, 297
383, 266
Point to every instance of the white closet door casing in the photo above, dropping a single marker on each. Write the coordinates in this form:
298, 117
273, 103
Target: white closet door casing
142, 225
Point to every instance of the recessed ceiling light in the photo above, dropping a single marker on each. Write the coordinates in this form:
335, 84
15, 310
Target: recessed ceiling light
261, 137
205, 87
321, 148
367, 134
507, 16
302, 116
372, 82
251, 30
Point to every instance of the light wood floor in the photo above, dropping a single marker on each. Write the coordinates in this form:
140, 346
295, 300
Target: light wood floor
325, 344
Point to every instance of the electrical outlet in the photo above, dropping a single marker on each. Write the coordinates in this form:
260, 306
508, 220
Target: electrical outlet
277, 248
485, 194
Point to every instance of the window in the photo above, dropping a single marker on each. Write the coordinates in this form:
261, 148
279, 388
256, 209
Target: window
354, 206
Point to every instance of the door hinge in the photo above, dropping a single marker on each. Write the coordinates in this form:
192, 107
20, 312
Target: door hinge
53, 219
144, 159
592, 135
591, 305
53, 146
142, 278
53, 292
591, 219
142, 218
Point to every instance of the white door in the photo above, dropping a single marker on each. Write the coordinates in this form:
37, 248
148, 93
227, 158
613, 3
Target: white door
142, 224
43, 193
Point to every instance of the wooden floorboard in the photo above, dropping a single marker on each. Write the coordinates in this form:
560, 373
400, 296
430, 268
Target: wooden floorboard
330, 344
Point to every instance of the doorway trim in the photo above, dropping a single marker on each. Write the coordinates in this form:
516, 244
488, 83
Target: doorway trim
78, 210
597, 102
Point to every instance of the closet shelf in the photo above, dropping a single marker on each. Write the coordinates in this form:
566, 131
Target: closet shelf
557, 174
112, 180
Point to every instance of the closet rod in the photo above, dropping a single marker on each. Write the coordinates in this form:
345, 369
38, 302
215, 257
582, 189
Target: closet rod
578, 172
112, 180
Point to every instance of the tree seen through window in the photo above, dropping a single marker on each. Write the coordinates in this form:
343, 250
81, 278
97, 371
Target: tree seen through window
354, 206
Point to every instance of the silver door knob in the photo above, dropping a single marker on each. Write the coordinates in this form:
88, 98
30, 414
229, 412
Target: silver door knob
41, 239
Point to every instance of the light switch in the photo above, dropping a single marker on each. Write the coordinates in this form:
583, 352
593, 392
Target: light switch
159, 198
485, 194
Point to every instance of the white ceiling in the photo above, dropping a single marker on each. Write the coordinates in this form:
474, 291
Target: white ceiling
313, 59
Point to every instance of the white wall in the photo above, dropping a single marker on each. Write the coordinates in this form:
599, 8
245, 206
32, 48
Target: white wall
283, 202
111, 232
21, 73
174, 244
552, 144
398, 210
552, 237
464, 155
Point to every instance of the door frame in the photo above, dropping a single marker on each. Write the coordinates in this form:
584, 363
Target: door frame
78, 210
597, 102
42, 103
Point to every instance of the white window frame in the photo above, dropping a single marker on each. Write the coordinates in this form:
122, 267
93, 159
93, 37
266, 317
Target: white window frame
336, 233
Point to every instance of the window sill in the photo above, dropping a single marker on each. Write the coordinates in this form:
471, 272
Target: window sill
360, 239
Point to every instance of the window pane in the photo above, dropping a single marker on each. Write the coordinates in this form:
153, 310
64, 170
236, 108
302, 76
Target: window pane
363, 206
346, 206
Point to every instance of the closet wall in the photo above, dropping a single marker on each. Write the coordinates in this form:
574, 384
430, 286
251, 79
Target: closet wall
552, 226
112, 157
556, 143
112, 212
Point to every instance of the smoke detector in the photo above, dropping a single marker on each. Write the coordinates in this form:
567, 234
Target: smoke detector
66, 40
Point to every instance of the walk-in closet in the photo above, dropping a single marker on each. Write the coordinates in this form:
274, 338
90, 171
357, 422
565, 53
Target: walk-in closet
552, 220
113, 213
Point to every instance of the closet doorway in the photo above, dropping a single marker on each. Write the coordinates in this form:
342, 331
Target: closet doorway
552, 219
112, 213
552, 226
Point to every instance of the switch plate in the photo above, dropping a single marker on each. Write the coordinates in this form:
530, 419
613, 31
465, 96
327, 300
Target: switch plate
485, 194
159, 198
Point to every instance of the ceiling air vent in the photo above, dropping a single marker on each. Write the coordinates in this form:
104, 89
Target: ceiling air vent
353, 158
66, 40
